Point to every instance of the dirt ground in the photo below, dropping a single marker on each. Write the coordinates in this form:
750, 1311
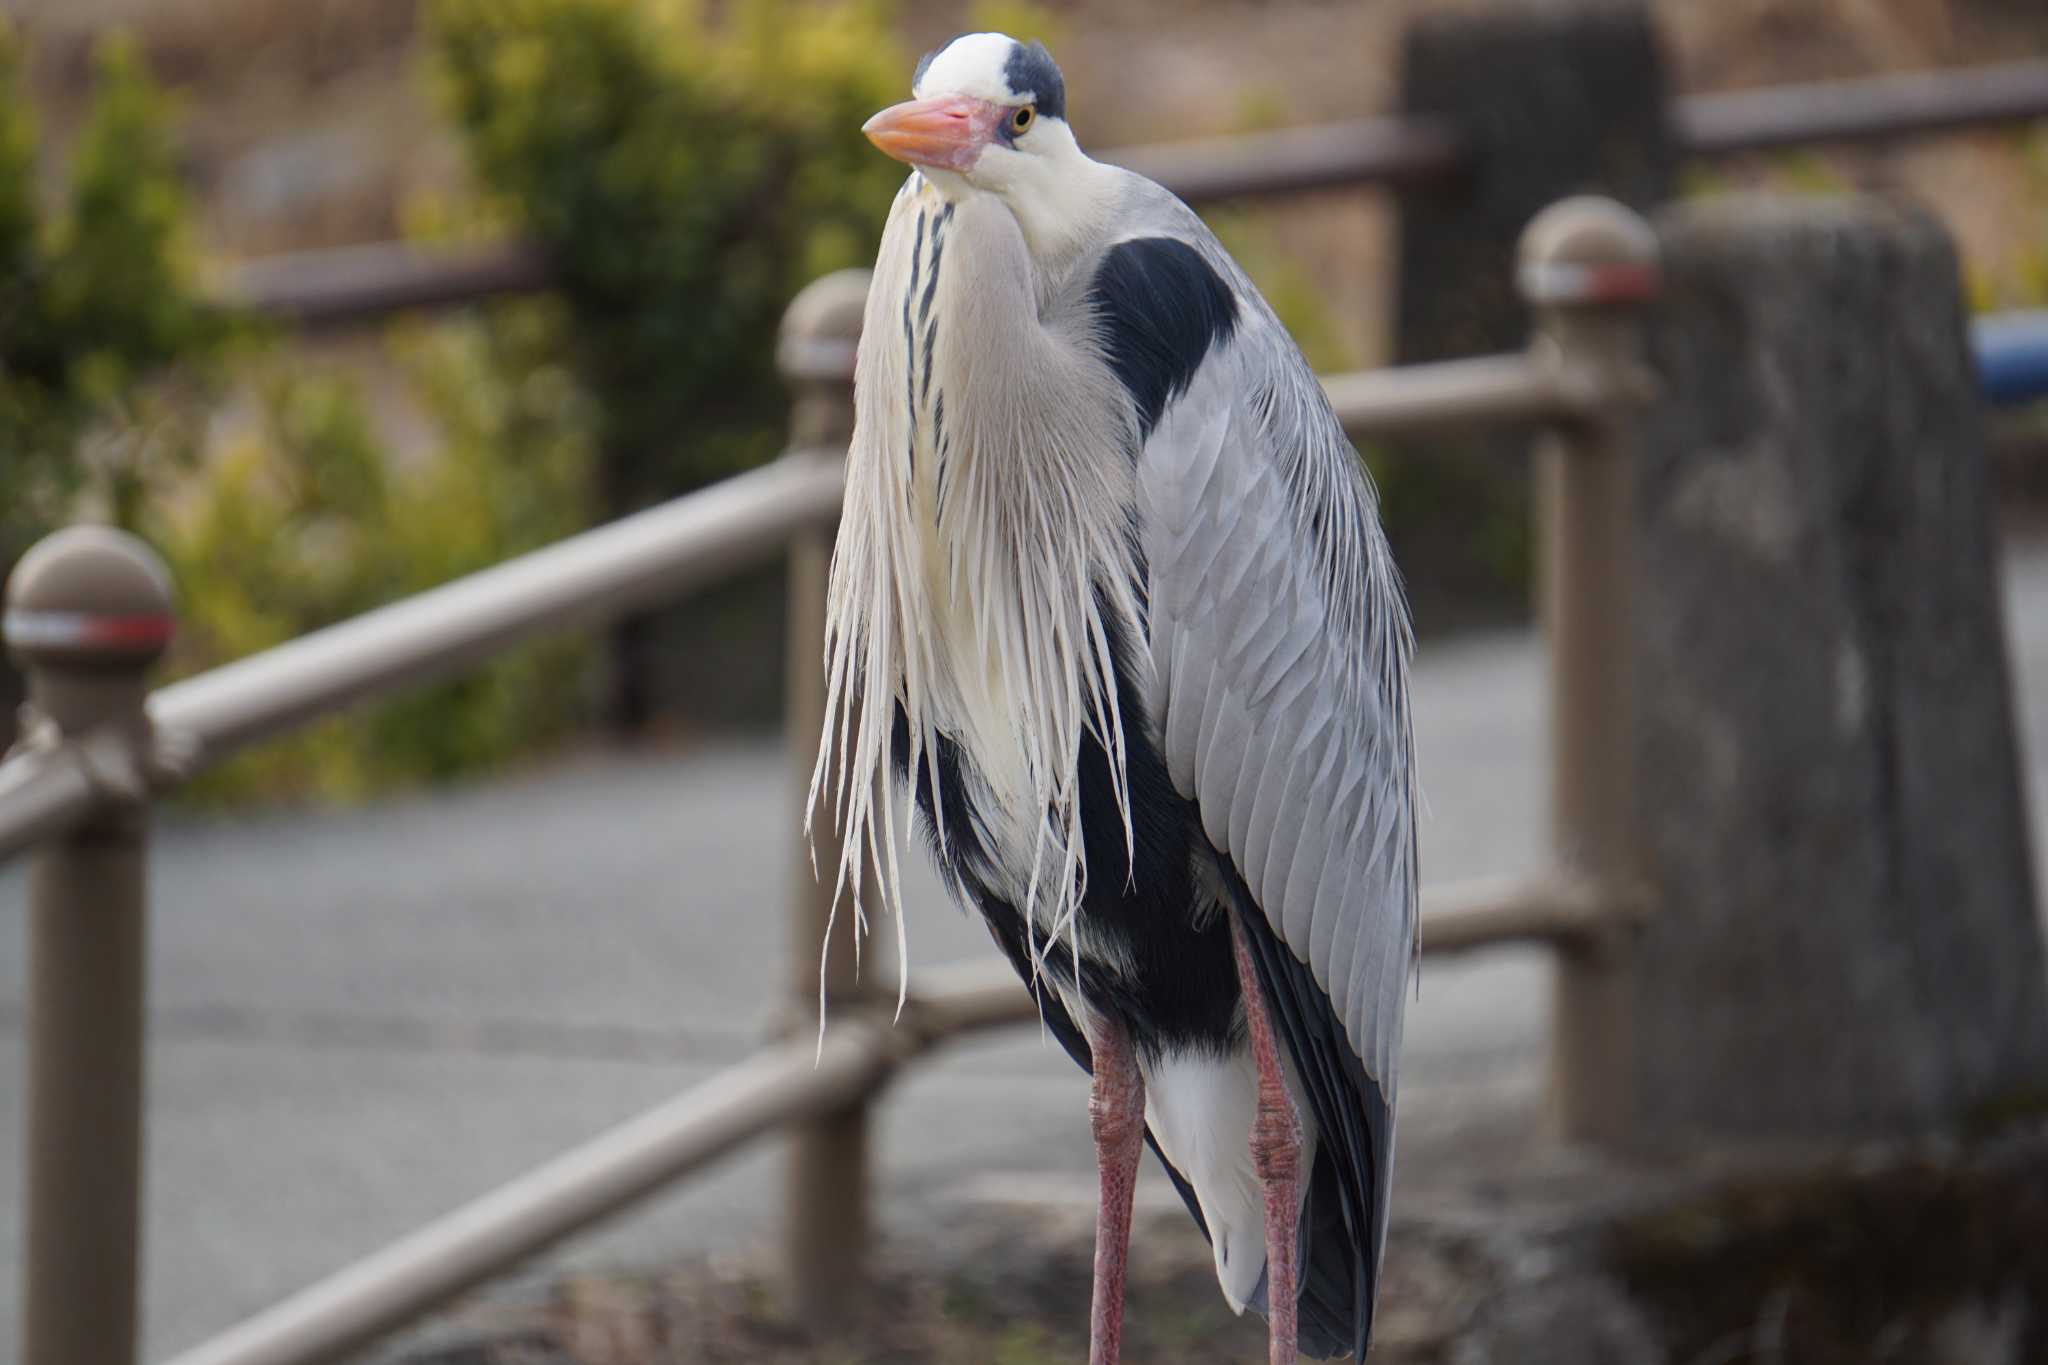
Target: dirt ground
1010, 1289
1904, 1251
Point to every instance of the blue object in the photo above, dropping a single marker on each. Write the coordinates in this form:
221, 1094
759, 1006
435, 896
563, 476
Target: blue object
2012, 356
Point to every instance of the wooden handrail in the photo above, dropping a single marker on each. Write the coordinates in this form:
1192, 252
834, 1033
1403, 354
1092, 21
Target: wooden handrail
353, 284
587, 579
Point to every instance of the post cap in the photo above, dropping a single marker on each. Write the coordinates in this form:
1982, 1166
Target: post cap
89, 595
1587, 251
821, 329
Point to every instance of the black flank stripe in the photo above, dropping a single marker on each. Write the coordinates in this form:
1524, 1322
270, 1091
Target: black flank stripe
917, 250
939, 431
1161, 308
910, 378
910, 333
931, 331
931, 286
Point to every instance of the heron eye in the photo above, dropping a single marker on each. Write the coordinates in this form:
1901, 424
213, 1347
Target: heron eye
1020, 118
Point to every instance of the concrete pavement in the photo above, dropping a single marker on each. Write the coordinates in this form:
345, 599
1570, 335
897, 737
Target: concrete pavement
362, 1019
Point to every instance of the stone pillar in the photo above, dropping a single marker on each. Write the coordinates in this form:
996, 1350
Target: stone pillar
1827, 774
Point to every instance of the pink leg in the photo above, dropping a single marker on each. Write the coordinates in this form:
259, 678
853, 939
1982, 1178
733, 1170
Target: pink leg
1116, 1109
1276, 1156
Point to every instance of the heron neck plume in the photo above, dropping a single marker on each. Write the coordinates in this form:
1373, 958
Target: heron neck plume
986, 558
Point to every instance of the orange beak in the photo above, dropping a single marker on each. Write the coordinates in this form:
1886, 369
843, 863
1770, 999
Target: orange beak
946, 131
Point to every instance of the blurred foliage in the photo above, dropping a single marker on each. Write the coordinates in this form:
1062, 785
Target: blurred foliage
307, 518
97, 300
686, 179
1249, 231
2021, 281
304, 517
1262, 109
1303, 305
1462, 530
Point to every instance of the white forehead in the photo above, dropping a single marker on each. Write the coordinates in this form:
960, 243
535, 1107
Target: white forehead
971, 64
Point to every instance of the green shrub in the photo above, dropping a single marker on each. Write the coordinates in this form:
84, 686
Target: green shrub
308, 520
686, 179
305, 518
96, 302
2021, 280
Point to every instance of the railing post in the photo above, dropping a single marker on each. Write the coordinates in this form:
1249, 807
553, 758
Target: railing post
1585, 267
88, 610
825, 1213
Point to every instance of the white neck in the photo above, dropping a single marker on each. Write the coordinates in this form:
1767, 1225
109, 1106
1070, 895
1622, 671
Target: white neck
1060, 197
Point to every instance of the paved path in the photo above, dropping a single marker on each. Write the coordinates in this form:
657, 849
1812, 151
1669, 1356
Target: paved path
363, 1019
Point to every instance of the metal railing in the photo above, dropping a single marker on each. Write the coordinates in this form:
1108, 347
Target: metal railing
346, 285
88, 611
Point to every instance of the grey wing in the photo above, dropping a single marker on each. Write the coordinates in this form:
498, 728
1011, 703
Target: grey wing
1280, 647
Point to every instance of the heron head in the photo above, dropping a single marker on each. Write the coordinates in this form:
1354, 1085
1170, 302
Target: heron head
989, 115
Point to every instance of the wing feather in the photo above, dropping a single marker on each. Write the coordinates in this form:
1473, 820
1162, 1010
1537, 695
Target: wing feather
1331, 876
1277, 692
1283, 717
1189, 676
1302, 740
1244, 787
1292, 825
1308, 854
1273, 765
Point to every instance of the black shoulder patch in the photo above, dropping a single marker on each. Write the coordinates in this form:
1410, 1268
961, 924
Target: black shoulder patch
1161, 307
1032, 74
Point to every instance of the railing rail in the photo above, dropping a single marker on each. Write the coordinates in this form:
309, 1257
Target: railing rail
335, 286
600, 575
587, 579
791, 1082
1519, 390
1872, 109
88, 610
349, 285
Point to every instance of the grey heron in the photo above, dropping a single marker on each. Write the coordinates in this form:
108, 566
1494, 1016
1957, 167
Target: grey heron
1112, 605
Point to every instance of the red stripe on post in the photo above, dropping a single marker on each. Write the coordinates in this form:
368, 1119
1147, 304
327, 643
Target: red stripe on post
83, 630
1574, 282
1622, 282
